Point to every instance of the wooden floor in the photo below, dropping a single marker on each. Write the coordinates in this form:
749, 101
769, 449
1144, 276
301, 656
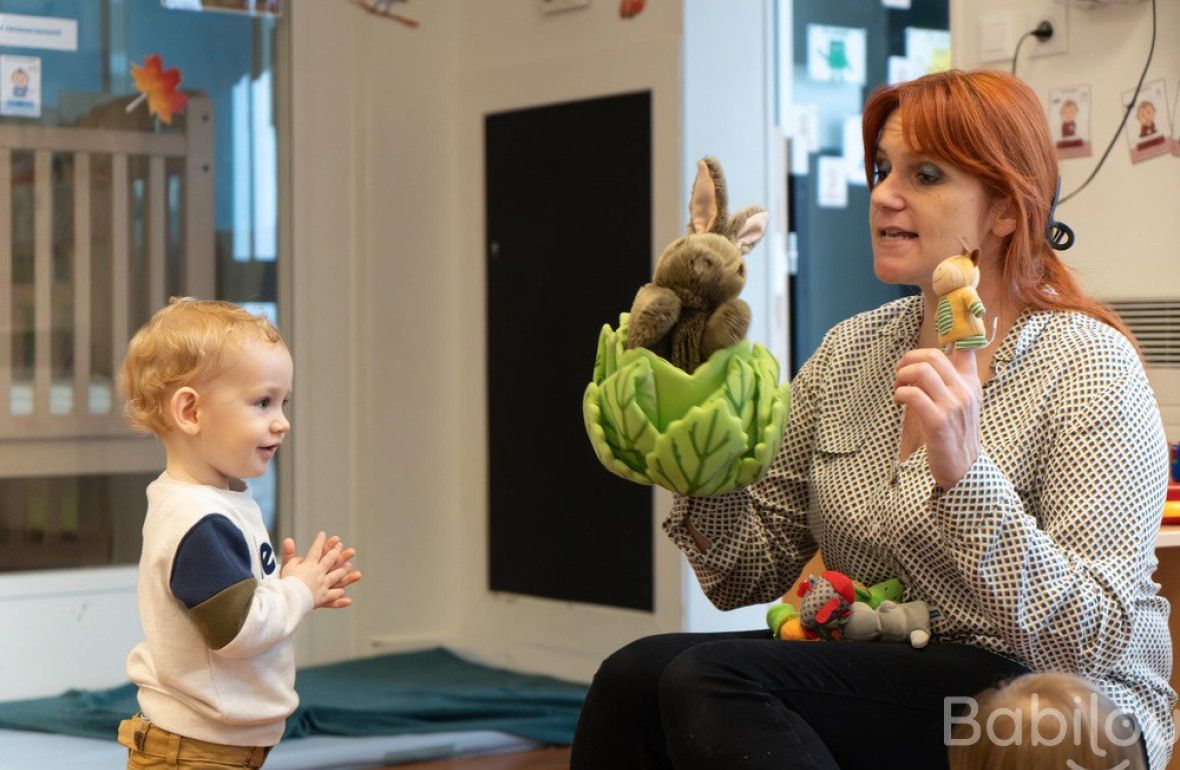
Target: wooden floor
541, 759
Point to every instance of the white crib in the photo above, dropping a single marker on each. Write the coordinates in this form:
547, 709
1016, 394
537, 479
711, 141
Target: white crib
98, 226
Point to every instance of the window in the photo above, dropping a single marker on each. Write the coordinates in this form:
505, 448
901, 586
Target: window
108, 211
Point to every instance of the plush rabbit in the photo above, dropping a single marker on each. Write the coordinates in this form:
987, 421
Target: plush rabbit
691, 307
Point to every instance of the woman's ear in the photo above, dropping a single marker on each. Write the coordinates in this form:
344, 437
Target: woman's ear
1004, 221
182, 410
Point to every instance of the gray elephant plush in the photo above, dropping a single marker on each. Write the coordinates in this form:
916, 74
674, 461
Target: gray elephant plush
890, 622
691, 307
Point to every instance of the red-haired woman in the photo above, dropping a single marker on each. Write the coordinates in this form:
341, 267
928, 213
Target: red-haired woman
1016, 489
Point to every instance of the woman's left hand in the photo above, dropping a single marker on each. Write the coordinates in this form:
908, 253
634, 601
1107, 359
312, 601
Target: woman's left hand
943, 393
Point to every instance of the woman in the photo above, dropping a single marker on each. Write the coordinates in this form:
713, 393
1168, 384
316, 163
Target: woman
1017, 489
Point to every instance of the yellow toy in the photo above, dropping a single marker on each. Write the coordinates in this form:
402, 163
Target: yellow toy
959, 318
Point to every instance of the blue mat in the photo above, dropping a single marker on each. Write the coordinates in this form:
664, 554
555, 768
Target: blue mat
414, 692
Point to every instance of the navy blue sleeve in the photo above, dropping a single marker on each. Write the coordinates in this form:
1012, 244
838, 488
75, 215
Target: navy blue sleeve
211, 557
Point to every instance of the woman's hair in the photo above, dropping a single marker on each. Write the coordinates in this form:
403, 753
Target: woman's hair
991, 125
184, 343
1039, 721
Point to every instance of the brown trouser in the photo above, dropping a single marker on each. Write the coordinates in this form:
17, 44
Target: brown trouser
150, 747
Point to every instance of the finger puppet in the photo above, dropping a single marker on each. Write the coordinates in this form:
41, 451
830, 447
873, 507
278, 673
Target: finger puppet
959, 318
691, 307
890, 622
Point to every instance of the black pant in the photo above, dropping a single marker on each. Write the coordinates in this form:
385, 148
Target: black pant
744, 700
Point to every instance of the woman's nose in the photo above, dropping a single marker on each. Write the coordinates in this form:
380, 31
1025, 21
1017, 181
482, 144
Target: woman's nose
886, 195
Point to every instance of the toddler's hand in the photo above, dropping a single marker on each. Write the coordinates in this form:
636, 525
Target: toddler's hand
320, 570
345, 562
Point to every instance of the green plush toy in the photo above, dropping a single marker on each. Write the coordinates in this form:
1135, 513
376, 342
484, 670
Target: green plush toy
697, 434
710, 416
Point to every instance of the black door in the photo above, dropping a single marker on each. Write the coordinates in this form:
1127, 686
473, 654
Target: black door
568, 191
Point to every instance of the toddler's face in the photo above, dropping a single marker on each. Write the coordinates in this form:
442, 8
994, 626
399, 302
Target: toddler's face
242, 420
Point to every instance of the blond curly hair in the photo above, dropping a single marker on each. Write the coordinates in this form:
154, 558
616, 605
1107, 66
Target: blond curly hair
183, 344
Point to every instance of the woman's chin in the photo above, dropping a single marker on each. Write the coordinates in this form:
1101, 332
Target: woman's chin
888, 274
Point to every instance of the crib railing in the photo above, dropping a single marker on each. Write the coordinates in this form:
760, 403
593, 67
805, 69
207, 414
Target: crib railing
141, 229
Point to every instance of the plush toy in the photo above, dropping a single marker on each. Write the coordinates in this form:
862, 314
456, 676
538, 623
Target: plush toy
691, 307
890, 622
827, 602
959, 319
785, 621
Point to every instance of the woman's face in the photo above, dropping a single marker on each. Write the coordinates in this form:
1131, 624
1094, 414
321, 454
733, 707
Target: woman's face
922, 210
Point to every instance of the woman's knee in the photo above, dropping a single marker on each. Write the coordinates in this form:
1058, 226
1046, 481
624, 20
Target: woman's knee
702, 671
637, 665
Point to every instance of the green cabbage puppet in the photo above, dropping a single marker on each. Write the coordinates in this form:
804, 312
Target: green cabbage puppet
679, 397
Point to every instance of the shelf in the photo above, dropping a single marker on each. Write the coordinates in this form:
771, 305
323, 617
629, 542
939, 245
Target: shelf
1169, 536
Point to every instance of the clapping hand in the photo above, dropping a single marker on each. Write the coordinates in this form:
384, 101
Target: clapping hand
326, 569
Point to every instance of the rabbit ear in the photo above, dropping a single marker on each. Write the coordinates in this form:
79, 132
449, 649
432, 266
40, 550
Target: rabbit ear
702, 207
749, 227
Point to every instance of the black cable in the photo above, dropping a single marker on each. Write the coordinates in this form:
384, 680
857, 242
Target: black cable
1059, 235
1019, 43
1130, 107
1043, 32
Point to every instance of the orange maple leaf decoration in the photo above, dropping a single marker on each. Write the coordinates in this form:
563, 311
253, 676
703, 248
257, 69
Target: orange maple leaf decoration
159, 86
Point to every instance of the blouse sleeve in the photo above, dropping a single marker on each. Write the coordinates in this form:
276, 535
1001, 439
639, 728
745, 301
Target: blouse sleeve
1062, 580
758, 535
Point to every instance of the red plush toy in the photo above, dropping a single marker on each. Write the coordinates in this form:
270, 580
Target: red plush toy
827, 603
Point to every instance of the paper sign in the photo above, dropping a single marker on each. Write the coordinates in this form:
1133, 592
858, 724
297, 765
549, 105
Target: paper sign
833, 183
20, 86
1069, 120
902, 69
803, 129
17, 31
854, 152
929, 50
1147, 129
901, 5
836, 54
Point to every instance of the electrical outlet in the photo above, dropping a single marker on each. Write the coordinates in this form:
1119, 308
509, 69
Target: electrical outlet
557, 6
1058, 16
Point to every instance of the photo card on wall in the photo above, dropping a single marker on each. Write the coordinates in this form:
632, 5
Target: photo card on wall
1069, 120
1148, 132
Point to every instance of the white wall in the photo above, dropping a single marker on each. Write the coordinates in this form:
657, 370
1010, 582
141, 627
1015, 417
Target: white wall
1125, 220
728, 113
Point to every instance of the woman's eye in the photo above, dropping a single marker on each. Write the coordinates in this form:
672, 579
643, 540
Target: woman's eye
928, 173
881, 171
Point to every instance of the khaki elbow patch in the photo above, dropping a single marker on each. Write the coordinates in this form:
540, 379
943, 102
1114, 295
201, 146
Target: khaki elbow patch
220, 617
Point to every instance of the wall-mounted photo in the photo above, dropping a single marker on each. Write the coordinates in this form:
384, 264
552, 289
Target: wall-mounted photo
1069, 120
1148, 132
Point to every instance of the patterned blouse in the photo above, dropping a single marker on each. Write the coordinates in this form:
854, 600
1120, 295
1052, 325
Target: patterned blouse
1043, 552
